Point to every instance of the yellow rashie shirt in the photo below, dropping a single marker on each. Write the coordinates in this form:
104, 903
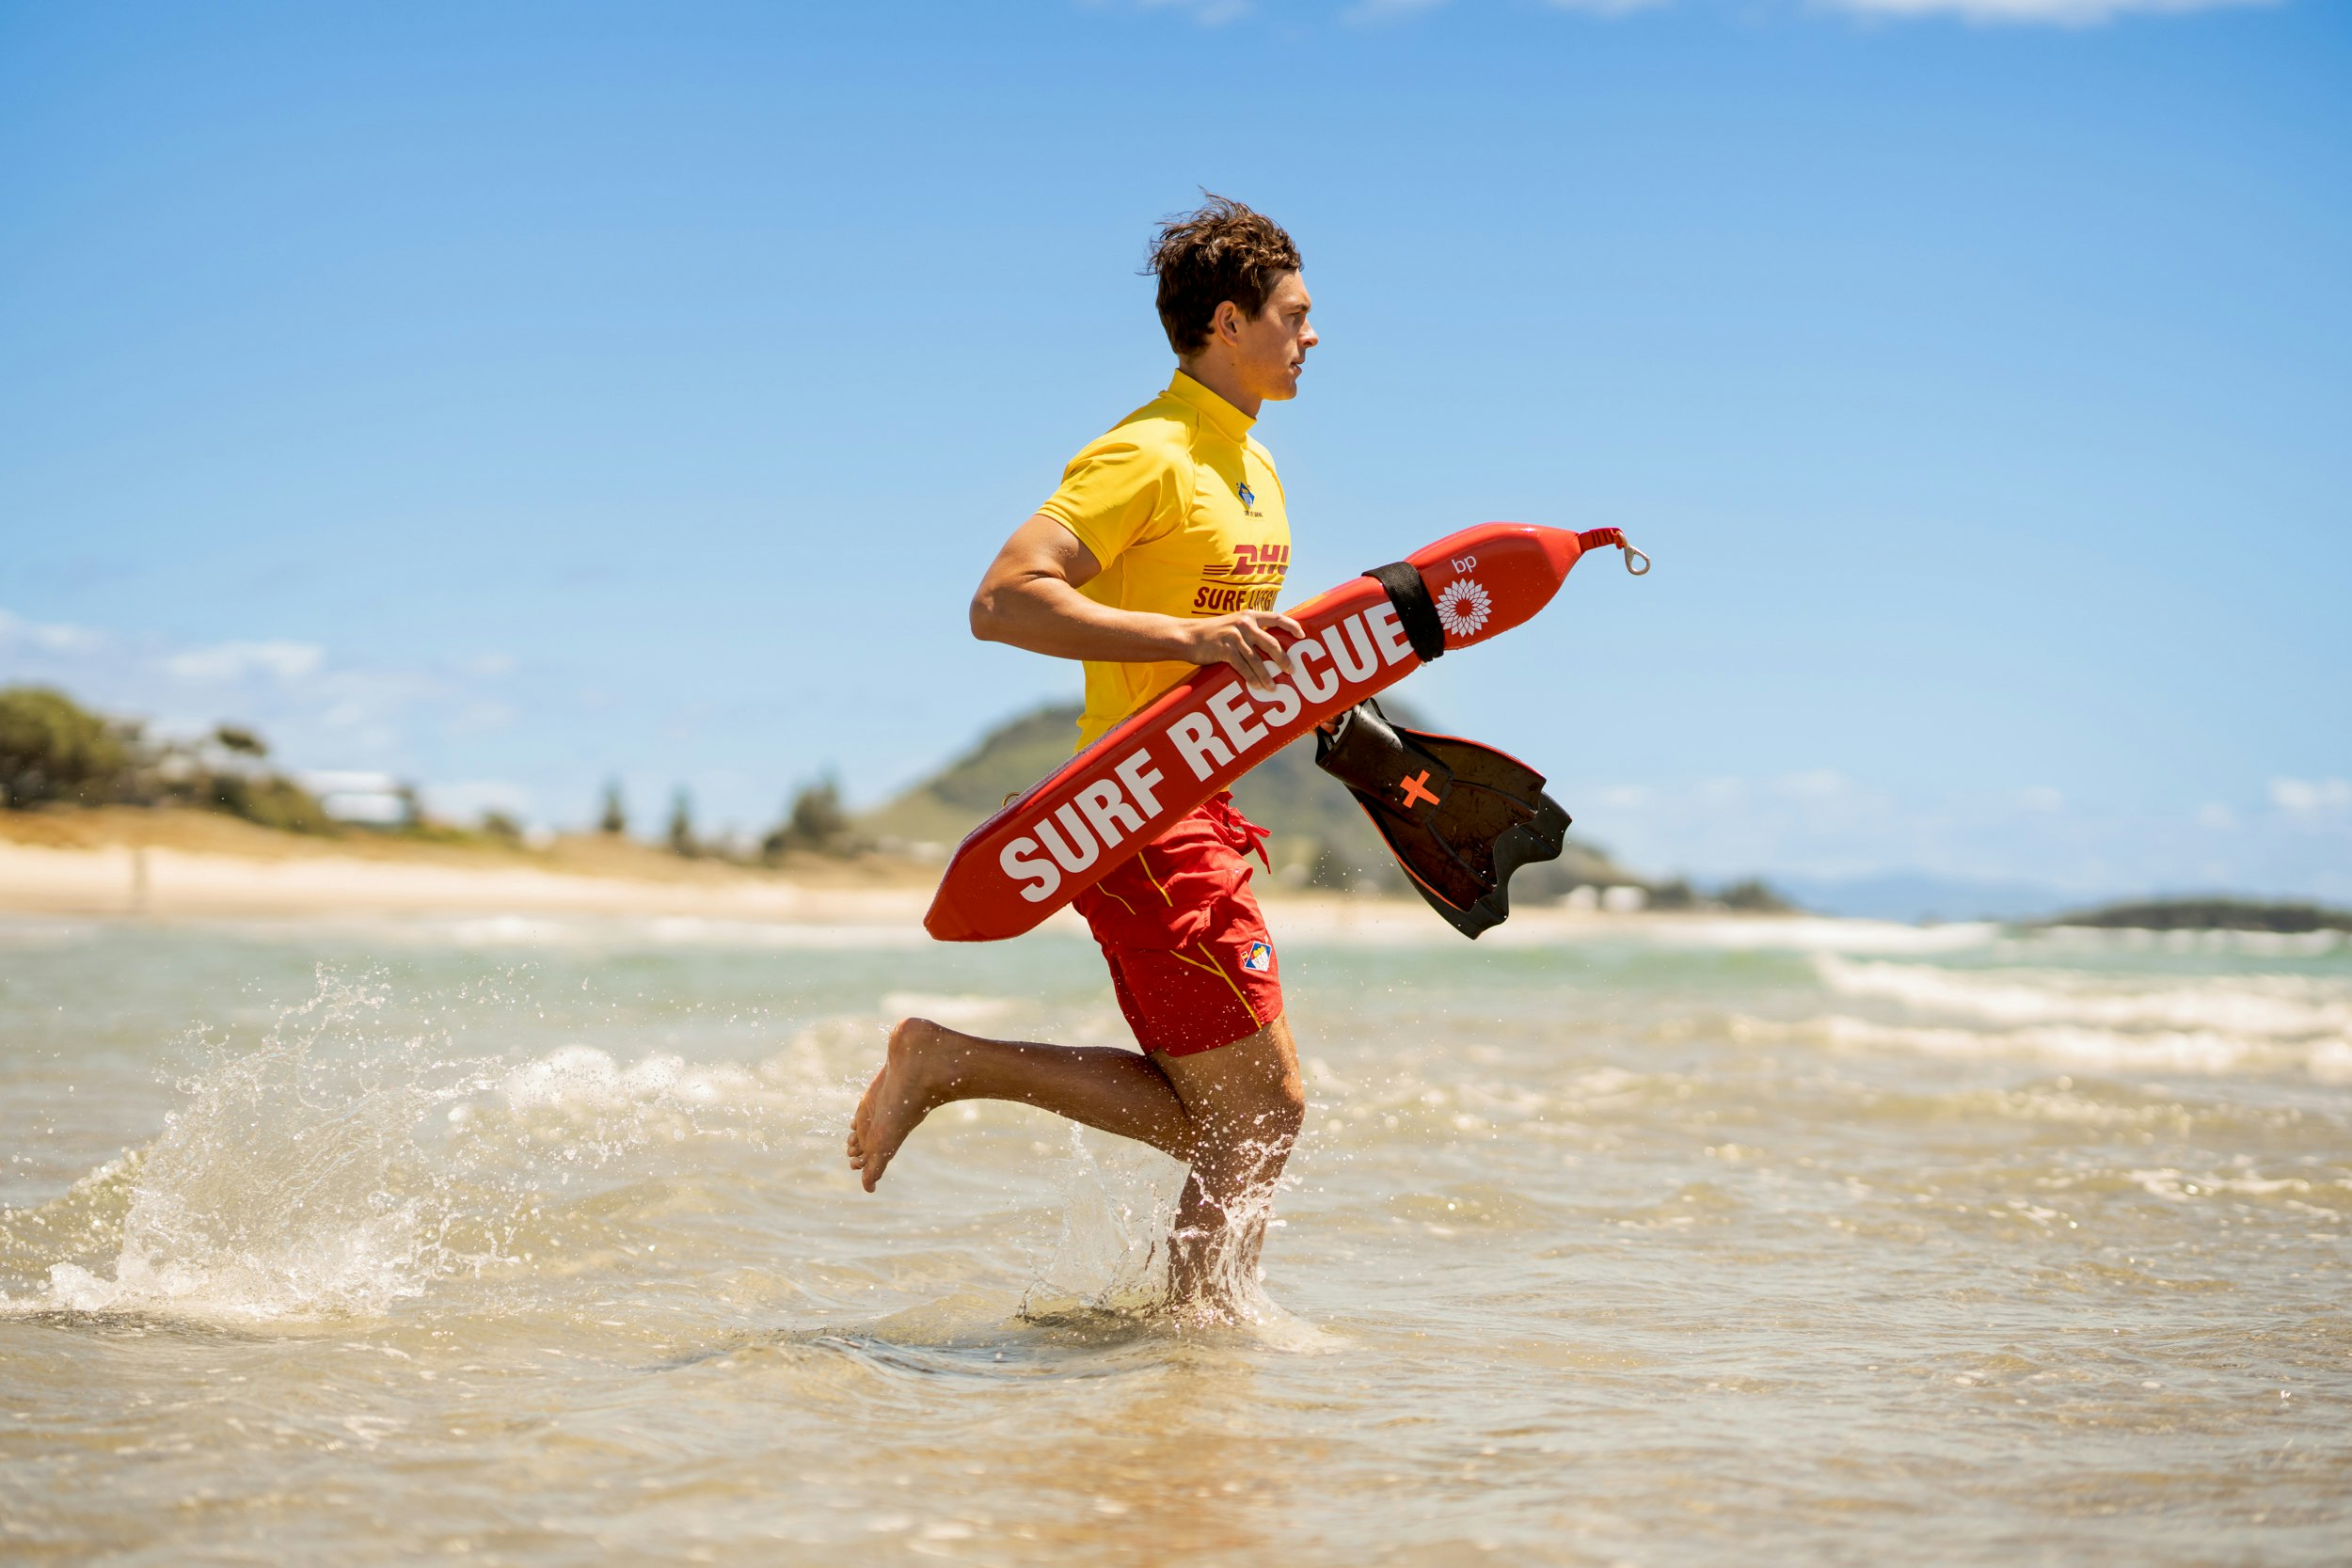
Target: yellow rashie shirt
1184, 512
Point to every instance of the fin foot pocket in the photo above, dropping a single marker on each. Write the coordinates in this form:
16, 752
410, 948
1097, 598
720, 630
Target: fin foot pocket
1460, 817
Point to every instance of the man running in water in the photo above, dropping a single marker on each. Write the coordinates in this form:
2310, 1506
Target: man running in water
1163, 549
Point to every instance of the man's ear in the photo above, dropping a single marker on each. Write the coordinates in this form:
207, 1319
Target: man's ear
1226, 324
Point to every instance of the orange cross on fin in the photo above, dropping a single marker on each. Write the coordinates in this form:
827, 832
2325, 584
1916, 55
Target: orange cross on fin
1416, 790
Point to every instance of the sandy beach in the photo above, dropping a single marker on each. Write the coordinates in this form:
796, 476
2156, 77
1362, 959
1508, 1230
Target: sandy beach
142, 881
185, 863
92, 864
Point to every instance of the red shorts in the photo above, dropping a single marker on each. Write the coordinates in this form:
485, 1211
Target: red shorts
1188, 950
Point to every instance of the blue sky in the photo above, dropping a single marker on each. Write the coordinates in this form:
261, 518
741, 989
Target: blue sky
514, 396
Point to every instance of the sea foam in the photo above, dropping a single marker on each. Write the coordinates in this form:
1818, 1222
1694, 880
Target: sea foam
2085, 1020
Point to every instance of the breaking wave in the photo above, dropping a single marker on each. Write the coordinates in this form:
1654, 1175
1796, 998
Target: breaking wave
2082, 1020
2275, 1006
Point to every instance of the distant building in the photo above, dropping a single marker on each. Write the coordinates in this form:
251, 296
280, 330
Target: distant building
374, 798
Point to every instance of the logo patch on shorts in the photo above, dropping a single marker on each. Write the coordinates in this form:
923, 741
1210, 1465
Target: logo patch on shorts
1259, 958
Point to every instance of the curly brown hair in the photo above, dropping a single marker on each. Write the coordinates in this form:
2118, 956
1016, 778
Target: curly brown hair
1219, 251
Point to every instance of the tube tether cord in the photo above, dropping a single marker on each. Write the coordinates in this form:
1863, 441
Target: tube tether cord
1415, 612
1594, 538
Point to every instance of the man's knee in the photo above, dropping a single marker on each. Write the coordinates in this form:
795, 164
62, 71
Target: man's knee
1285, 1110
1269, 1098
1256, 1126
1246, 1100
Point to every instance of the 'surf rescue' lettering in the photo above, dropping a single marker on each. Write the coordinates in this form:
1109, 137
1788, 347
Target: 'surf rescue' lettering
1107, 812
1194, 736
1349, 652
1101, 817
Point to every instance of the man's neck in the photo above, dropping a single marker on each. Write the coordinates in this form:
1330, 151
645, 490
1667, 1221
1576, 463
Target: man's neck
1222, 377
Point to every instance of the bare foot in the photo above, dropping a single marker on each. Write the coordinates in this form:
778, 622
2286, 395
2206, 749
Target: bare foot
909, 1087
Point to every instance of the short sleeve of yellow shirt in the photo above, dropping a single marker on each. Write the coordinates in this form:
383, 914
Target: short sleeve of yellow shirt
1118, 492
1185, 513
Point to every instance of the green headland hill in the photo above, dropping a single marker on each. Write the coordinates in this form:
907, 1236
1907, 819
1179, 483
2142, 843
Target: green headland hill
1321, 837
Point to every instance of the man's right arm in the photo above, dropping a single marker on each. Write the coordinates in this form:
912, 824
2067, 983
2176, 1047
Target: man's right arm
1030, 599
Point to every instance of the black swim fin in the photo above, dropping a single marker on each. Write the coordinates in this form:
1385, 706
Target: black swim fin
1459, 816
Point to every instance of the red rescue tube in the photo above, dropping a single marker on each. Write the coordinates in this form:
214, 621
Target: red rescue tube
1196, 738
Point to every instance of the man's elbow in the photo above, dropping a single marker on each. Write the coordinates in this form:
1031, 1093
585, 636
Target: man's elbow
984, 616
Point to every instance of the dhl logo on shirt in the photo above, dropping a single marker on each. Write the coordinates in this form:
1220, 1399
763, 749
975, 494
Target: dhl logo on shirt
1249, 581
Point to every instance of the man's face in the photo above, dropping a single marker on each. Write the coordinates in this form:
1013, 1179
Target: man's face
1272, 347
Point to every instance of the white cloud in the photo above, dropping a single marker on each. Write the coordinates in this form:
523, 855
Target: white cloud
49, 637
1817, 784
1603, 7
1209, 13
230, 661
2053, 13
1825, 823
316, 708
482, 717
2311, 797
1726, 791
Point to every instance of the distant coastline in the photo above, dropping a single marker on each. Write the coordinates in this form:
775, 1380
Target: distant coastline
96, 818
2208, 913
120, 862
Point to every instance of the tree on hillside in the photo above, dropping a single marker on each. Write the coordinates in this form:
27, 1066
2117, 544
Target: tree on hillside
614, 818
814, 822
266, 800
228, 773
53, 748
1753, 895
682, 826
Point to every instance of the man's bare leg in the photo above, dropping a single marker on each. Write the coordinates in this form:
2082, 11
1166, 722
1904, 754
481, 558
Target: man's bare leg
1246, 1103
1231, 1114
931, 1065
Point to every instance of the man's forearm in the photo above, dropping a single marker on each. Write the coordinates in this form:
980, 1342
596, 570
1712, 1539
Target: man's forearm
1045, 615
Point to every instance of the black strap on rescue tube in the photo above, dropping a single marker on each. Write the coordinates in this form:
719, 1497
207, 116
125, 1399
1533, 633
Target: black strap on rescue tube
1414, 611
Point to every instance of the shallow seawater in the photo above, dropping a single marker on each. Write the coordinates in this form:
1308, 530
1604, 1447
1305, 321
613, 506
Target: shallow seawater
531, 1241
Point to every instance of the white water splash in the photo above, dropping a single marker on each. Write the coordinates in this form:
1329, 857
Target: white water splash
286, 1183
338, 1169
